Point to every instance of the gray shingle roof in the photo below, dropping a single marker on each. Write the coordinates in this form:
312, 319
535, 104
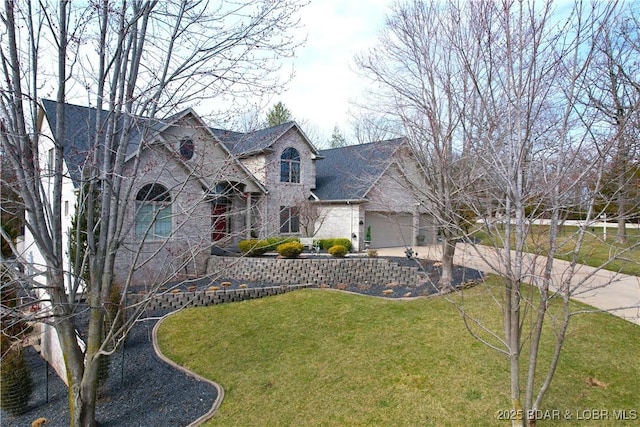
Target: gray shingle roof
347, 173
80, 130
252, 142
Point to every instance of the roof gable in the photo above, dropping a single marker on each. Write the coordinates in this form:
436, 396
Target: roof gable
261, 140
80, 131
81, 128
348, 173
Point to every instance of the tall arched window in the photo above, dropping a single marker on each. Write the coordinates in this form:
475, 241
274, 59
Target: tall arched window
290, 165
153, 218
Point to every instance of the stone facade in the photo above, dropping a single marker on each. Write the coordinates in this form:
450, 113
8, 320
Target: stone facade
285, 194
342, 220
191, 183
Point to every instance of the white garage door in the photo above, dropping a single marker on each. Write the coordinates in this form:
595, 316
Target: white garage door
389, 230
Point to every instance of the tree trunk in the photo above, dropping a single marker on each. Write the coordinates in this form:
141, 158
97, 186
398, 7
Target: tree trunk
622, 200
448, 251
85, 404
74, 364
512, 314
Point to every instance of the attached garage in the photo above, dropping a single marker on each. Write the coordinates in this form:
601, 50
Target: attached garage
374, 181
389, 230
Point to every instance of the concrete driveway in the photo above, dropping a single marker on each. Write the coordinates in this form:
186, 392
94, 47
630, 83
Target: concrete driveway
618, 294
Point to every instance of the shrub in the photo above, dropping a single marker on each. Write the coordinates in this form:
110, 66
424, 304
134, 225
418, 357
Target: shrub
114, 318
253, 247
338, 251
372, 253
274, 241
328, 243
290, 249
343, 241
15, 380
325, 244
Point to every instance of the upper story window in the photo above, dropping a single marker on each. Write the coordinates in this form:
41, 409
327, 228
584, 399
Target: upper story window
153, 217
51, 159
186, 148
290, 166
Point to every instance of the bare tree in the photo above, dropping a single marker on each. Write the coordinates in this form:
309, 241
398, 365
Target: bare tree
135, 63
491, 95
528, 74
311, 217
368, 126
614, 93
420, 87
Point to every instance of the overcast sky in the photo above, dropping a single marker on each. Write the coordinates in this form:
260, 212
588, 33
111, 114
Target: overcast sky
325, 80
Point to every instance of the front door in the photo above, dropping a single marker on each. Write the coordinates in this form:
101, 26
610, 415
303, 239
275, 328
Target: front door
219, 222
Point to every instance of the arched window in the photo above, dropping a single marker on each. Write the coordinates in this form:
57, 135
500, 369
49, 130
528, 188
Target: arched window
290, 165
153, 218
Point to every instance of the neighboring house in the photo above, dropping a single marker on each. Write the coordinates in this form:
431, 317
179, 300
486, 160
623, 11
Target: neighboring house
193, 191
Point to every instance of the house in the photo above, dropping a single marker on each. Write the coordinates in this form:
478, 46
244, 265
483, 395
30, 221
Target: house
338, 192
369, 187
192, 191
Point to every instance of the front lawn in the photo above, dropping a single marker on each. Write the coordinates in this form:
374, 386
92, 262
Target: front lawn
318, 357
595, 250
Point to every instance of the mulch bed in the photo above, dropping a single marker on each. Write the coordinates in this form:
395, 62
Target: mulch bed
141, 390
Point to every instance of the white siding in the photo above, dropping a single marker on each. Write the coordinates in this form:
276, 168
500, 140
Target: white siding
342, 221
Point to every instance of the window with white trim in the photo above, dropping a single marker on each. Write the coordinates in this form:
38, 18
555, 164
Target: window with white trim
153, 217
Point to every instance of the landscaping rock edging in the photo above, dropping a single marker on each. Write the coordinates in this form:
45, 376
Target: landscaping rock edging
220, 391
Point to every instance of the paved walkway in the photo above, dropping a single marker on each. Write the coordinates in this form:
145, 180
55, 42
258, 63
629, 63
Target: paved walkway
616, 293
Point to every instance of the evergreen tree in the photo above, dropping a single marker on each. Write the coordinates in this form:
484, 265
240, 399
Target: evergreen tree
337, 138
277, 115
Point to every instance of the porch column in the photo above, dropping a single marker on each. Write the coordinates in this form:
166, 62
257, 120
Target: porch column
247, 217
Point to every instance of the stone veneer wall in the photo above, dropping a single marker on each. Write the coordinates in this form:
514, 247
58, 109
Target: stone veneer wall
315, 271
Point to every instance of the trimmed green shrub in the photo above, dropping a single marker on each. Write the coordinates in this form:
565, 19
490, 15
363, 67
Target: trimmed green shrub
343, 241
253, 247
274, 241
15, 380
290, 249
338, 251
325, 244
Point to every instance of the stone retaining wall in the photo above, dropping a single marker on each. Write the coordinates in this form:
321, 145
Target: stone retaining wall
291, 273
173, 301
315, 271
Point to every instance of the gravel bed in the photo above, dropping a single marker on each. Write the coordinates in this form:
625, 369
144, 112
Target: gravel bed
144, 391
141, 390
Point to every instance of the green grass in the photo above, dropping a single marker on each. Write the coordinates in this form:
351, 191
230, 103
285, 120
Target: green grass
333, 359
595, 251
